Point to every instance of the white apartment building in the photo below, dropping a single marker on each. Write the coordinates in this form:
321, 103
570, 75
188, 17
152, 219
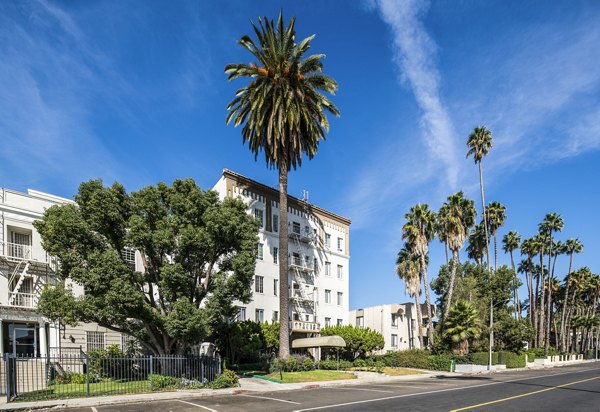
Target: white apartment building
25, 268
318, 259
396, 322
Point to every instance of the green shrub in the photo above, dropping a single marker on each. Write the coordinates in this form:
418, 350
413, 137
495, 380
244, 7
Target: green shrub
227, 379
412, 358
291, 364
334, 365
161, 381
439, 363
72, 377
511, 359
307, 365
482, 358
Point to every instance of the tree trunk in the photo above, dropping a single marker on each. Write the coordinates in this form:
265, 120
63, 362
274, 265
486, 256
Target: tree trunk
549, 302
563, 315
495, 250
448, 302
485, 226
535, 309
446, 250
542, 310
419, 320
428, 302
516, 301
284, 325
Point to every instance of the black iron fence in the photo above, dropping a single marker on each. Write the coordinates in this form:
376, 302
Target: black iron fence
68, 375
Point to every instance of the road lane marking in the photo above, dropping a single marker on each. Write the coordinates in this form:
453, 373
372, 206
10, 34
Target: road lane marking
400, 386
94, 409
271, 399
195, 404
523, 395
443, 390
360, 389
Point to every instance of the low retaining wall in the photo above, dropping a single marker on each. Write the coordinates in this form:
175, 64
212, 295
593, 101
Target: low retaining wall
554, 360
470, 368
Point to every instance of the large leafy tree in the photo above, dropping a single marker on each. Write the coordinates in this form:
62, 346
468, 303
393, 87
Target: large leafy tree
455, 218
197, 253
359, 341
418, 231
284, 116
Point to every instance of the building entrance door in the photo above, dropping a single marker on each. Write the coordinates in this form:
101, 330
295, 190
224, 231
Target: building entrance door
23, 340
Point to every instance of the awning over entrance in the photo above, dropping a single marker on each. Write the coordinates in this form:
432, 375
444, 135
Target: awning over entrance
320, 342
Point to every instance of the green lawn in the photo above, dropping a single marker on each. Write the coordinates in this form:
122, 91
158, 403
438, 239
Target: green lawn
311, 376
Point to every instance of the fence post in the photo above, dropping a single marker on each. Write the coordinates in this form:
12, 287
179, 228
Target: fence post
87, 372
151, 372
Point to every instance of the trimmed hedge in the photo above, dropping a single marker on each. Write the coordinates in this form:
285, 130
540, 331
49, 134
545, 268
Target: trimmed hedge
415, 358
512, 360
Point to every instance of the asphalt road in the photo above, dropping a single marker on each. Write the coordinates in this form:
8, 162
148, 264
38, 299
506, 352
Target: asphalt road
573, 388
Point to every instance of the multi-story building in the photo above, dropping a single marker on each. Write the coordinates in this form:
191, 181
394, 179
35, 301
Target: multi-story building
319, 259
25, 268
396, 322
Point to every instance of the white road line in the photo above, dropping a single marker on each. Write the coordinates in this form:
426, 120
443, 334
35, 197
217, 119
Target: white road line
400, 386
94, 409
271, 399
360, 389
195, 404
441, 390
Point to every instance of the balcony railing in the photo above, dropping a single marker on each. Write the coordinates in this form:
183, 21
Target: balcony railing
23, 300
298, 263
301, 326
16, 251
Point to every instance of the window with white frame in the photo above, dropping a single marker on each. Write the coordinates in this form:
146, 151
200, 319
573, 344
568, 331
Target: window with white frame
394, 320
327, 296
340, 244
394, 341
340, 298
327, 268
275, 223
259, 315
360, 321
259, 284
327, 321
242, 314
275, 287
258, 214
340, 322
296, 227
275, 317
94, 340
259, 251
328, 240
128, 255
340, 271
275, 255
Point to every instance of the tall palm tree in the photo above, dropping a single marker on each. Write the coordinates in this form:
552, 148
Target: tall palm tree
510, 243
553, 222
455, 218
418, 231
479, 143
572, 246
284, 116
495, 214
408, 268
529, 249
462, 325
476, 247
541, 241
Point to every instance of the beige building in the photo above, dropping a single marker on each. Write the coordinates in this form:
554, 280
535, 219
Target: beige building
396, 322
319, 258
25, 268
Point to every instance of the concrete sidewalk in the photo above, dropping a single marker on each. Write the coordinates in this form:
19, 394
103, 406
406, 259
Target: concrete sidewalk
246, 385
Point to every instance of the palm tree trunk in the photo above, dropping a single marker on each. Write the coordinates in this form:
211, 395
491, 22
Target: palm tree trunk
542, 310
495, 250
487, 254
548, 316
419, 319
535, 309
563, 315
446, 250
428, 302
284, 326
516, 302
448, 302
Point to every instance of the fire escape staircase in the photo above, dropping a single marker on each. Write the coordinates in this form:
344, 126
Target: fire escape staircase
20, 271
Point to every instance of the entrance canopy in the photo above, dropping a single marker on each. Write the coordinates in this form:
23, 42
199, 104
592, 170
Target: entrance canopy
320, 342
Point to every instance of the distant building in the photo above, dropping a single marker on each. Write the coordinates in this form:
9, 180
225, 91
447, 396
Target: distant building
396, 322
319, 257
25, 268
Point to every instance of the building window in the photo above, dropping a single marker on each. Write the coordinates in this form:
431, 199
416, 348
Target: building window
259, 251
275, 223
327, 321
394, 320
275, 255
316, 266
275, 316
296, 227
296, 259
259, 315
307, 261
275, 287
20, 246
327, 296
95, 340
360, 321
259, 284
394, 341
340, 322
328, 240
242, 314
340, 298
128, 256
339, 244
340, 271
258, 214
327, 268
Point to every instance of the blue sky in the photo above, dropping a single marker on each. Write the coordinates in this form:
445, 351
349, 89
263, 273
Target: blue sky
134, 91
